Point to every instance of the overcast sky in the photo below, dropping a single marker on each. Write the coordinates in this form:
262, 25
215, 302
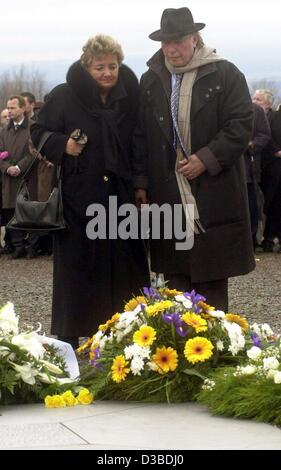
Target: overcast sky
246, 32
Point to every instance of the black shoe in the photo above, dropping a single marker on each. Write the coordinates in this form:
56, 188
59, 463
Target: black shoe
30, 253
19, 253
267, 246
6, 250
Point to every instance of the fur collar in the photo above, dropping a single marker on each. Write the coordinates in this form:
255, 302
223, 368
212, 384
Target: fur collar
86, 89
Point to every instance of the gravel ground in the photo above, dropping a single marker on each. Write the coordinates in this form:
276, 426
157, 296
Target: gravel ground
28, 284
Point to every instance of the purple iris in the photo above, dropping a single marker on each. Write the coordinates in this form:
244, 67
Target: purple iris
195, 298
94, 362
256, 340
150, 292
175, 319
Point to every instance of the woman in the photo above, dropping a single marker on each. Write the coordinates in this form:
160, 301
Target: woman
92, 278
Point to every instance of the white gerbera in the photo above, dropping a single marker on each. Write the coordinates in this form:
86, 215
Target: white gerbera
270, 363
137, 364
254, 353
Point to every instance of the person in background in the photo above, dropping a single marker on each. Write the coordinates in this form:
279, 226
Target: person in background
4, 118
14, 141
195, 123
261, 135
99, 101
276, 126
30, 101
42, 177
270, 177
4, 121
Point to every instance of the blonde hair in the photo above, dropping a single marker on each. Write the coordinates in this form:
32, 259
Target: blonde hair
100, 45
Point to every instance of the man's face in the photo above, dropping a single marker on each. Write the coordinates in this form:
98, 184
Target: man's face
4, 117
179, 52
29, 107
15, 111
260, 100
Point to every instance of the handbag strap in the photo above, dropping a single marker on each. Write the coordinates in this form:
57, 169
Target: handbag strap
45, 136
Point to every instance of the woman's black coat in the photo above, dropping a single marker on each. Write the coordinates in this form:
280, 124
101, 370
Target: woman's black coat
92, 278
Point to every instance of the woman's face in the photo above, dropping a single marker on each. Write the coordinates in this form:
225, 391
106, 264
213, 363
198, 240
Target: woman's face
104, 69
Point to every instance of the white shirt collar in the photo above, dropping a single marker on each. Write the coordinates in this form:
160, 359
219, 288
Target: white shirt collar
18, 123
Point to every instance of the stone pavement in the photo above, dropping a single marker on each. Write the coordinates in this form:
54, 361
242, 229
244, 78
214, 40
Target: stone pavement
130, 426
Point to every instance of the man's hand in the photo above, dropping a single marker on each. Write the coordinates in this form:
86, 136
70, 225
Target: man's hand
278, 154
13, 171
72, 148
141, 197
192, 167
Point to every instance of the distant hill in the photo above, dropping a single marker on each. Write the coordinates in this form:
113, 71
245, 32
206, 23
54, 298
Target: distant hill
54, 72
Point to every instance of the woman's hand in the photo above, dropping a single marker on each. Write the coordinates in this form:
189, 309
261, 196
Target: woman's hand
72, 148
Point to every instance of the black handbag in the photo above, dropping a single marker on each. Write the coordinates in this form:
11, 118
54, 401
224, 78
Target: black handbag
35, 216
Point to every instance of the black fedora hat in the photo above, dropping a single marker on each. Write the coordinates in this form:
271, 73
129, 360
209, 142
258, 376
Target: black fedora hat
176, 23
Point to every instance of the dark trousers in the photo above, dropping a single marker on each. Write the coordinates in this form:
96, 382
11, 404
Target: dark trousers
216, 292
253, 208
18, 238
271, 187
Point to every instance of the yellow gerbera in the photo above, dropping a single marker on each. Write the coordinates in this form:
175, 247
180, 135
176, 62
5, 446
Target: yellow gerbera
109, 323
85, 345
103, 327
166, 359
145, 336
205, 307
133, 303
196, 321
198, 349
158, 307
169, 292
92, 352
233, 317
119, 369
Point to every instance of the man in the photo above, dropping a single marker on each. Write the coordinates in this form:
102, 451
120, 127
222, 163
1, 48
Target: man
14, 139
4, 118
261, 135
270, 175
42, 180
30, 101
195, 156
276, 126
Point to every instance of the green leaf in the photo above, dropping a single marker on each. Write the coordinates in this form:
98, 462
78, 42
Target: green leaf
194, 372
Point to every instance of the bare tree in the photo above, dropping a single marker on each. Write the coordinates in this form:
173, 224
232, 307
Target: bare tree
14, 82
265, 84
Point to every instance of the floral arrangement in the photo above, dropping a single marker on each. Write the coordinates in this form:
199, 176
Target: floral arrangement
162, 347
252, 389
29, 368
